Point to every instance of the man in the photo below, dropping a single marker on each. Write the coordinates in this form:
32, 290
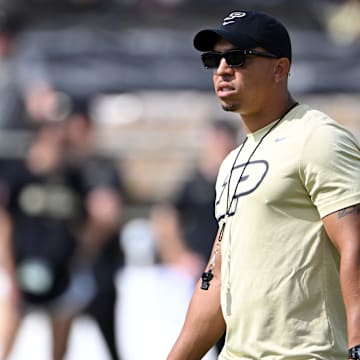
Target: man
284, 275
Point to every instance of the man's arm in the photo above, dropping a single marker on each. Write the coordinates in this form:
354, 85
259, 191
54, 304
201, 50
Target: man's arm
343, 228
7, 266
204, 322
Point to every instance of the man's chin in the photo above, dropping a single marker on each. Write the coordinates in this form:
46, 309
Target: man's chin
228, 107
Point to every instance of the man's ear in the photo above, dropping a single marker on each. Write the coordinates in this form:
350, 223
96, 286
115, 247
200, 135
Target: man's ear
281, 69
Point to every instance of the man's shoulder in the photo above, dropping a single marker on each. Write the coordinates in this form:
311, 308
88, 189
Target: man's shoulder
311, 120
306, 112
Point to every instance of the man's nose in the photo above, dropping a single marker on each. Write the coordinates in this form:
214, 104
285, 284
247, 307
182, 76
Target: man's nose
223, 67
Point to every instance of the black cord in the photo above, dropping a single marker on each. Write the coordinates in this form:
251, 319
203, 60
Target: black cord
208, 275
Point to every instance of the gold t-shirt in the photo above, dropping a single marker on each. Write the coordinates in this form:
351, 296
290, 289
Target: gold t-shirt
281, 296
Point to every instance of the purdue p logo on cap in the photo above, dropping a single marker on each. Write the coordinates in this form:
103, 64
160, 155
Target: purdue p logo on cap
234, 15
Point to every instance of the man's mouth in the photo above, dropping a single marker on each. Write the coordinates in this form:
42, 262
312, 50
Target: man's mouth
224, 89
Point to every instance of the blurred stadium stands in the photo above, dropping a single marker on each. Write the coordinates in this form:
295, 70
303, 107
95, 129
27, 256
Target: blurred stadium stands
136, 56
91, 46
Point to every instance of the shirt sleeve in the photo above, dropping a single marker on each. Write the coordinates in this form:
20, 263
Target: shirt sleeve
330, 168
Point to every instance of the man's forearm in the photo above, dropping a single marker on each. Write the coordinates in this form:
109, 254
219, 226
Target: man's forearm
204, 325
343, 229
350, 283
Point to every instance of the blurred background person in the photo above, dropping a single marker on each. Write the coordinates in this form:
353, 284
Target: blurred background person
99, 255
187, 221
61, 210
38, 207
186, 227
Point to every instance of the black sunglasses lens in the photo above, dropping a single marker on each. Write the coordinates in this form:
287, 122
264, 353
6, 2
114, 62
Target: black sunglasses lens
211, 60
235, 58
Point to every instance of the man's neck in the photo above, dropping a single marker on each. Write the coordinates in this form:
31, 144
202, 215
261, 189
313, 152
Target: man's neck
276, 110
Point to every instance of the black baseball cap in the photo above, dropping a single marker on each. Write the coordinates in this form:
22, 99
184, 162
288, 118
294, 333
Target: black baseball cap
248, 29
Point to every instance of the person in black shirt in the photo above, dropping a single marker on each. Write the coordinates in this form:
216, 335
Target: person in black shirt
99, 253
185, 228
60, 214
38, 205
192, 208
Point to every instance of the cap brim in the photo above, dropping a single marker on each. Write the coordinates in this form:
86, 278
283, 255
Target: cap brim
205, 40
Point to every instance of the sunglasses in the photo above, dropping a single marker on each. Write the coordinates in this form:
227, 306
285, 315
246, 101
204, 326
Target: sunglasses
234, 58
